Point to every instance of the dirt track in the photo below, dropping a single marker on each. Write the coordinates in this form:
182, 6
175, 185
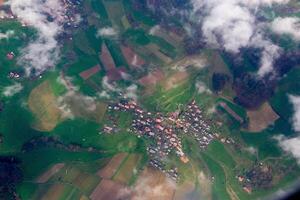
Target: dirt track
49, 173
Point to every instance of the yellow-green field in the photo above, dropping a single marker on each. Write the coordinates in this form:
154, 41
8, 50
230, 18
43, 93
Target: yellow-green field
43, 104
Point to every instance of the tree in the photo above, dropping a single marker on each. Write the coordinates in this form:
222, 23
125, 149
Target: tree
252, 91
219, 81
10, 175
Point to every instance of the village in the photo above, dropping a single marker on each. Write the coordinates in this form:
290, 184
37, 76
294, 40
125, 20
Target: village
163, 131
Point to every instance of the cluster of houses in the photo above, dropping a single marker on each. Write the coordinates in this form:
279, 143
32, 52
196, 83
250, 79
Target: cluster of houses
162, 131
153, 126
260, 176
192, 122
157, 129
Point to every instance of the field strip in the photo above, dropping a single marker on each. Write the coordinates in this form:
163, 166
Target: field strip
229, 189
120, 166
71, 193
50, 172
171, 98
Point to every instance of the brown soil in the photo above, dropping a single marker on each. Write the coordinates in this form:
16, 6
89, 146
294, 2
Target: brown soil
111, 168
54, 192
131, 57
175, 80
106, 58
261, 118
152, 78
128, 169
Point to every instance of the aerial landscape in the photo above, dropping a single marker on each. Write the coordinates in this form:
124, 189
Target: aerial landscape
149, 99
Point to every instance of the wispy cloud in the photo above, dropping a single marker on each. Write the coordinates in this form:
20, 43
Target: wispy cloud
8, 34
47, 18
291, 145
201, 87
12, 90
131, 92
107, 32
295, 100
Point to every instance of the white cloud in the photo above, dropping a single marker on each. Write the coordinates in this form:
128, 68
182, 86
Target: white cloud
104, 94
43, 52
295, 100
154, 30
131, 92
270, 52
76, 104
107, 32
287, 25
144, 189
251, 150
109, 86
12, 90
292, 145
67, 82
8, 34
232, 25
211, 110
201, 87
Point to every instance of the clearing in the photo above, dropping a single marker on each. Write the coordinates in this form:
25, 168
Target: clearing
261, 118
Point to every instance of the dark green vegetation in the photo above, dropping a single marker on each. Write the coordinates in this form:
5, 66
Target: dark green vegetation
219, 81
10, 176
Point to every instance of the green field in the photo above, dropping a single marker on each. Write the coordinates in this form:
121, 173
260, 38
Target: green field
171, 100
86, 133
219, 179
217, 150
264, 142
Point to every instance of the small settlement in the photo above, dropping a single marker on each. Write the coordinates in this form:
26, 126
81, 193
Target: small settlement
164, 131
